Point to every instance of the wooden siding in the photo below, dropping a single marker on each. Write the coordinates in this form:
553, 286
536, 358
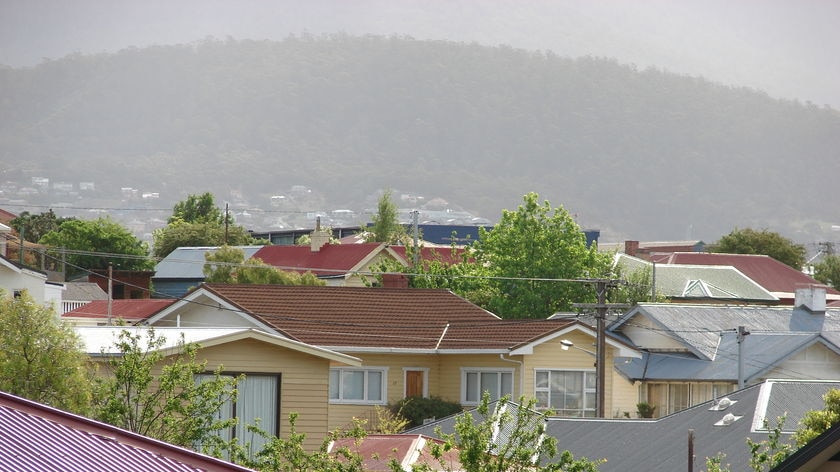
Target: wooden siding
303, 387
815, 362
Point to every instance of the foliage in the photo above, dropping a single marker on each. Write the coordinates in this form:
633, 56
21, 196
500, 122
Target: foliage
827, 270
645, 410
41, 358
769, 243
534, 256
388, 421
524, 447
386, 226
197, 209
289, 454
816, 422
227, 265
183, 234
93, 244
417, 409
154, 394
33, 227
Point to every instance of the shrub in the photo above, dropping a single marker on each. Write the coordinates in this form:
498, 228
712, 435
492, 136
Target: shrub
417, 409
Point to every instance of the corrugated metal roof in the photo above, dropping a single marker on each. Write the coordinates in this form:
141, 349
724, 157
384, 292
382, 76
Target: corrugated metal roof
38, 438
129, 310
662, 444
83, 291
330, 260
100, 339
188, 262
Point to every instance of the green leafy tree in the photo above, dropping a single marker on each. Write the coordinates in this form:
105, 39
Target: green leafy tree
41, 358
533, 256
227, 265
386, 226
33, 227
827, 270
816, 422
197, 209
525, 447
769, 243
150, 393
93, 244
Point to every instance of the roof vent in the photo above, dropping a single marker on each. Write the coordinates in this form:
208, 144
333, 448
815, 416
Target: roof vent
728, 419
723, 404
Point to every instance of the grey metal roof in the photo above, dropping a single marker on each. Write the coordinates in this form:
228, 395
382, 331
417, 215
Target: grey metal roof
662, 444
188, 262
700, 281
83, 292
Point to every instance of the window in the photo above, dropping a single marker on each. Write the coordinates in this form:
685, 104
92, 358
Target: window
257, 399
476, 381
566, 392
673, 397
358, 385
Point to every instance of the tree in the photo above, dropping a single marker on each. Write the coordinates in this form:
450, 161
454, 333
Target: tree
33, 227
227, 265
41, 358
827, 270
93, 244
197, 209
386, 226
196, 221
816, 422
534, 256
525, 446
750, 241
150, 393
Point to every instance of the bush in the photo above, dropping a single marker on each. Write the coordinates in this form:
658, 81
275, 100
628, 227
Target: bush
417, 409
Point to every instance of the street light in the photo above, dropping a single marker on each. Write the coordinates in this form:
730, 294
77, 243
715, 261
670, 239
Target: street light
565, 344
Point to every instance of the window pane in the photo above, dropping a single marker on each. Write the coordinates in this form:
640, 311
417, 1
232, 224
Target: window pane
472, 394
542, 379
507, 384
542, 399
374, 386
334, 384
591, 380
257, 400
353, 385
490, 383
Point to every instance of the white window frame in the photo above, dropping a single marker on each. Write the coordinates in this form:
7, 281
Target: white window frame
586, 390
480, 371
425, 371
363, 401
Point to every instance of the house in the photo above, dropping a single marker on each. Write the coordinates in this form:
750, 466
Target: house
684, 440
698, 283
647, 250
693, 353
124, 284
183, 269
77, 294
39, 437
16, 278
777, 278
415, 342
282, 375
111, 312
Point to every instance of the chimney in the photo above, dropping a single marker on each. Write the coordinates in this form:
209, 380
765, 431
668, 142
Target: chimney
393, 280
812, 298
631, 248
318, 237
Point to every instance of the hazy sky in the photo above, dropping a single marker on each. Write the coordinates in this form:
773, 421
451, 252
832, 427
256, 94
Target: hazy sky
788, 48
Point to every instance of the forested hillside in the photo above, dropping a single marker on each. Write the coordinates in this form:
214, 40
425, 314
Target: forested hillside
642, 153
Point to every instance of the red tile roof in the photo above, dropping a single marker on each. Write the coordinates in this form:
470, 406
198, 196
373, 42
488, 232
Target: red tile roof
771, 274
129, 310
401, 318
378, 450
38, 437
331, 259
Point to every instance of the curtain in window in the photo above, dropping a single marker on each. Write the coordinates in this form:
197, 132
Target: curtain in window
257, 401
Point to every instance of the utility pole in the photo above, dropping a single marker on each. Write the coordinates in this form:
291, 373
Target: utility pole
742, 333
414, 216
227, 221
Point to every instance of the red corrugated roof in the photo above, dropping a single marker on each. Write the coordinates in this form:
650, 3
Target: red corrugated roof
331, 259
446, 255
771, 274
378, 450
125, 309
405, 318
38, 438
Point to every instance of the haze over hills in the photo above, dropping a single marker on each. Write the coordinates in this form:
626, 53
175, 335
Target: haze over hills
638, 153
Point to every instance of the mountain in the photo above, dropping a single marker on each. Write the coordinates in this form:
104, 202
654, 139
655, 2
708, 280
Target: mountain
640, 154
